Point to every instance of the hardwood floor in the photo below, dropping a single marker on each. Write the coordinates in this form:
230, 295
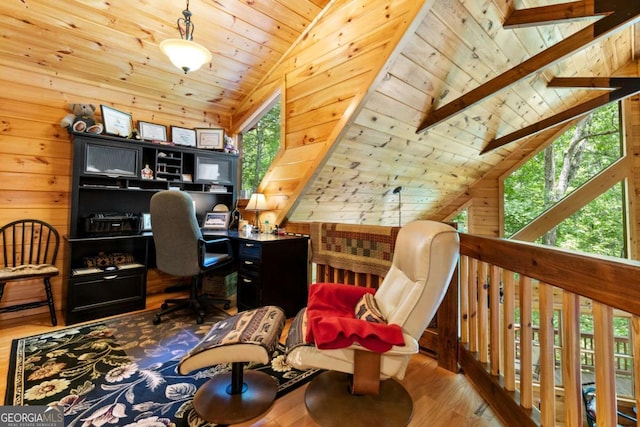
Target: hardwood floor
441, 398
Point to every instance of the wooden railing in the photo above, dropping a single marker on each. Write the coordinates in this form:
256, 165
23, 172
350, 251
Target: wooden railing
536, 278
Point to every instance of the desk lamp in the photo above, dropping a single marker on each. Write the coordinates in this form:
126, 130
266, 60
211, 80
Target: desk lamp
257, 203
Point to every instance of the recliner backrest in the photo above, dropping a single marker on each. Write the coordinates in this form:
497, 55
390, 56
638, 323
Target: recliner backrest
425, 256
175, 233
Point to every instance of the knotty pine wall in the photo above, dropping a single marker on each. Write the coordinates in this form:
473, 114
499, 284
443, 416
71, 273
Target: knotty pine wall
35, 154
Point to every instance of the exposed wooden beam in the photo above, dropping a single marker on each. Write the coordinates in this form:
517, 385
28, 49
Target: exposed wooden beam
552, 14
623, 88
617, 14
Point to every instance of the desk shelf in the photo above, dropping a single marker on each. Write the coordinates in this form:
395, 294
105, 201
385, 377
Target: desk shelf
107, 178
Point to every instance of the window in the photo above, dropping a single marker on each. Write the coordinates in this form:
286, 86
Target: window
578, 155
260, 144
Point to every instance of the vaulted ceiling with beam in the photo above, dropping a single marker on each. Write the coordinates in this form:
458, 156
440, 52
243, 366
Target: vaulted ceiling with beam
428, 96
474, 84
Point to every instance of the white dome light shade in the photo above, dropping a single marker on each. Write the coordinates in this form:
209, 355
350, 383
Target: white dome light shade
187, 55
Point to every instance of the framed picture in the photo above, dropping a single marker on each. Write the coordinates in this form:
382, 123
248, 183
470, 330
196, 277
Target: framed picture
152, 131
116, 122
146, 222
183, 136
216, 221
211, 138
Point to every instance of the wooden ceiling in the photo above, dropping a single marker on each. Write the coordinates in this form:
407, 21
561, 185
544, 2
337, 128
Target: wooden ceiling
115, 43
458, 46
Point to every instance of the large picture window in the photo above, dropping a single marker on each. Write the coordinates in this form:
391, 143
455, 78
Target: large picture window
564, 167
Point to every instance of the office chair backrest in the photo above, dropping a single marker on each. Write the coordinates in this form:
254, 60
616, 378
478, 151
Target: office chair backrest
425, 256
175, 233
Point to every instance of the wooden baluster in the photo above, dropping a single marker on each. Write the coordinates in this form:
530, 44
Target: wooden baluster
571, 378
635, 337
509, 333
473, 306
605, 367
464, 299
368, 280
526, 339
547, 357
495, 346
483, 313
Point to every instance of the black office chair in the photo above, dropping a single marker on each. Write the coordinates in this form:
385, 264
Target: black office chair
181, 250
589, 398
28, 250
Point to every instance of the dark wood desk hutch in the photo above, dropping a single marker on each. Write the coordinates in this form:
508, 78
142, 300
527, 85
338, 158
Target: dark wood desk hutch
108, 198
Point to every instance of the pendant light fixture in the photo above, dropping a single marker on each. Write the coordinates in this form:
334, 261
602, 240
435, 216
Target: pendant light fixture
184, 53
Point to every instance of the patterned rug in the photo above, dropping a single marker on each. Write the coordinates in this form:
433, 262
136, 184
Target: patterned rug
122, 371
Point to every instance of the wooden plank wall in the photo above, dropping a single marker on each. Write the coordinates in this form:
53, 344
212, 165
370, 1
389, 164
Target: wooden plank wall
35, 152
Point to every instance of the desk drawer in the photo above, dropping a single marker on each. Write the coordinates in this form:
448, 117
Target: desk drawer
248, 291
250, 250
107, 289
95, 296
249, 266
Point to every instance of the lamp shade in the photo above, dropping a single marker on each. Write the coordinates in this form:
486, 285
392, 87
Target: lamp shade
257, 202
187, 55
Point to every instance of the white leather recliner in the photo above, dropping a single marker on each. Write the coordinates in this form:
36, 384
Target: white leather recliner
424, 260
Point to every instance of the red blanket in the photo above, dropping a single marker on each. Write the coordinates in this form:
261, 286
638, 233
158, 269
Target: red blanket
331, 321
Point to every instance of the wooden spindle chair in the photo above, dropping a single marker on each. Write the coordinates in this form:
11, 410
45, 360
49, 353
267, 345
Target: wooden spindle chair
29, 248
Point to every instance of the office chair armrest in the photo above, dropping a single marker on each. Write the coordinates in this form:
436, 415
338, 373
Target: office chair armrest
219, 247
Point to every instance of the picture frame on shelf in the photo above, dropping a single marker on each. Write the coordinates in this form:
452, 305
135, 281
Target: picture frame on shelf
216, 220
116, 122
152, 131
146, 221
210, 138
183, 136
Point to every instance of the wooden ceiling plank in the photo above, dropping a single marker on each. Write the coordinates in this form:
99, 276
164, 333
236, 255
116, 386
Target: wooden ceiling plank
338, 75
325, 114
124, 68
553, 54
317, 135
401, 165
465, 69
324, 98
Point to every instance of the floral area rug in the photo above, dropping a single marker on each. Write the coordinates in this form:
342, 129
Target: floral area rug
122, 371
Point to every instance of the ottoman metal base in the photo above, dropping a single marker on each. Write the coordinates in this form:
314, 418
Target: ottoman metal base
216, 402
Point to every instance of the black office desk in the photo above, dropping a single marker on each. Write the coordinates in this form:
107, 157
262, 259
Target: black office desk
272, 270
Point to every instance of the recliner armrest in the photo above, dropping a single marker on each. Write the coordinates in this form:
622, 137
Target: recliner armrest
410, 347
